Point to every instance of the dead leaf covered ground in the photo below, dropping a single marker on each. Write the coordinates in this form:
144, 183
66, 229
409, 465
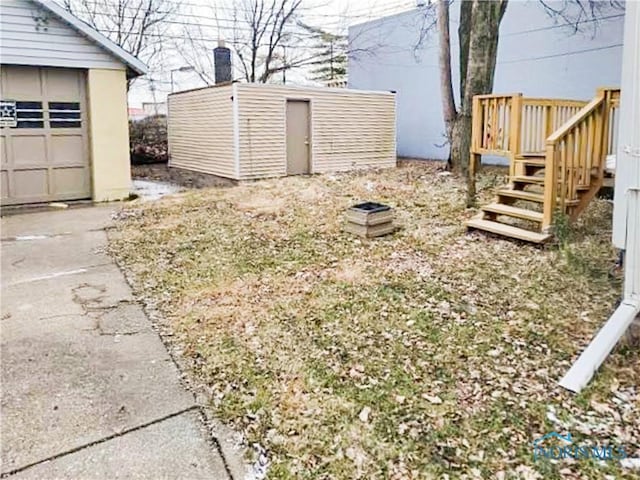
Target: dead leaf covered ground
430, 353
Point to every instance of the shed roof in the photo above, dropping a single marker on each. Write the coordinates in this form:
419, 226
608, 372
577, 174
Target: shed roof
134, 65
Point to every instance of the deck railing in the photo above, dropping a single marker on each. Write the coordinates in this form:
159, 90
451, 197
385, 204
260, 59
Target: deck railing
576, 153
540, 118
509, 125
492, 124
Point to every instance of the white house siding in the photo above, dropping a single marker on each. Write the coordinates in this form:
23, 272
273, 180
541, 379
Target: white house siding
200, 131
536, 56
46, 42
349, 129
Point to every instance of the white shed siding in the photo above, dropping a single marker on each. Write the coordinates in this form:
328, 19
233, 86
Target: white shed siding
349, 129
27, 41
200, 131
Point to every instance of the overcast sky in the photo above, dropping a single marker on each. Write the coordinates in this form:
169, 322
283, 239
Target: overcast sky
331, 15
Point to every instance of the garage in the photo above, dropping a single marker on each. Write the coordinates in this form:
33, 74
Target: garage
63, 107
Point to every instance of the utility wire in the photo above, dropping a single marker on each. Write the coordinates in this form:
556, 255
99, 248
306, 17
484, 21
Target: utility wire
235, 27
370, 12
213, 40
504, 62
235, 24
564, 54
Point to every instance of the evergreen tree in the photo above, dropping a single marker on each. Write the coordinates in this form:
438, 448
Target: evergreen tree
331, 62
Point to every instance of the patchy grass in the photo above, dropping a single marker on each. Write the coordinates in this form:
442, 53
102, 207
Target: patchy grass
427, 353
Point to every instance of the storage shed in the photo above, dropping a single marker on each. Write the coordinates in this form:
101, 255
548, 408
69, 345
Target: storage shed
246, 131
63, 104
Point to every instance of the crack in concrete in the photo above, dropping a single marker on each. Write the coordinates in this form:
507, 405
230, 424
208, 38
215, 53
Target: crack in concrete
90, 309
62, 315
15, 263
106, 439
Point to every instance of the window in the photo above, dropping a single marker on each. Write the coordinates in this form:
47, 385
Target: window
29, 115
64, 115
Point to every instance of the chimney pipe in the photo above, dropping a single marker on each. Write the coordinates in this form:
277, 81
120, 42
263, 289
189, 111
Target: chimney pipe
222, 63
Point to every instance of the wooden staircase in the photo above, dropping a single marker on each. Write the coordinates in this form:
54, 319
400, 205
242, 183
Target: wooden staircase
556, 151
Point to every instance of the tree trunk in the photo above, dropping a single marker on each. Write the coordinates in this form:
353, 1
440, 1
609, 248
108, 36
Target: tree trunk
484, 25
461, 142
444, 60
464, 32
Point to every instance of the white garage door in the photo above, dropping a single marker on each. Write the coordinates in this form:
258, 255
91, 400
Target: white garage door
45, 155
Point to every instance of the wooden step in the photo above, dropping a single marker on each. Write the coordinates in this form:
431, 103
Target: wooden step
508, 230
529, 196
521, 195
532, 159
528, 179
523, 213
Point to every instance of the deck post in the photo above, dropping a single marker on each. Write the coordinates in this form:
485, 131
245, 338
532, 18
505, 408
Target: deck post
515, 127
476, 134
550, 188
605, 125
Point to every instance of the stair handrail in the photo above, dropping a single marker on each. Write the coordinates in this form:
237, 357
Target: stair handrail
570, 151
562, 131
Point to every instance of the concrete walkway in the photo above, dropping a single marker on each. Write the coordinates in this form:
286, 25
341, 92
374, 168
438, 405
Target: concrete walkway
88, 388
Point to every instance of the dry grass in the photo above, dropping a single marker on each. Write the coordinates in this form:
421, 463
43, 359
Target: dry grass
419, 355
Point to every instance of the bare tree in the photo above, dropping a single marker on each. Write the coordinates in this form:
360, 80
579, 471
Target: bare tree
578, 13
260, 28
195, 47
267, 37
137, 26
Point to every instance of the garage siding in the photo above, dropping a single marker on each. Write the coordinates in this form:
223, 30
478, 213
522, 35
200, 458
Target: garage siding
200, 131
349, 129
29, 35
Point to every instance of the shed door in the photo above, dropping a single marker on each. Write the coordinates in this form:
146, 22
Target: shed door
298, 140
45, 155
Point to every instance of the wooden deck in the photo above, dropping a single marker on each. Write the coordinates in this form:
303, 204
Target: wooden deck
556, 150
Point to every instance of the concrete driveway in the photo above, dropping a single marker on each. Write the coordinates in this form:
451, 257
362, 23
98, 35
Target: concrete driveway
88, 388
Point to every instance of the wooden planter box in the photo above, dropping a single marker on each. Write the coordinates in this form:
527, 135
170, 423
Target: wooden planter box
369, 220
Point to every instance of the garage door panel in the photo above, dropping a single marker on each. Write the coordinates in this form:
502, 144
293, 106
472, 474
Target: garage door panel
67, 150
3, 152
64, 85
29, 150
68, 181
4, 184
22, 83
29, 184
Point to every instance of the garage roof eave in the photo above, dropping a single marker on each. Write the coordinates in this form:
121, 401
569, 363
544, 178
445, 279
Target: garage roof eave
135, 67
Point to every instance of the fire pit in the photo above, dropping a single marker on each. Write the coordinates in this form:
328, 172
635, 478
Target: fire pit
369, 219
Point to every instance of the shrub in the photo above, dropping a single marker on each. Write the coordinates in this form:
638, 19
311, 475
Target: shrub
148, 140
